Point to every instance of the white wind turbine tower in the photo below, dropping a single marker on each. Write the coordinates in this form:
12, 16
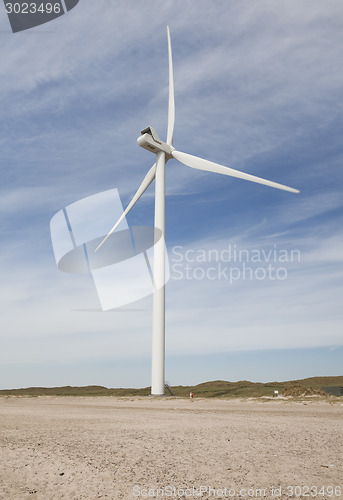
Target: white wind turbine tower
165, 151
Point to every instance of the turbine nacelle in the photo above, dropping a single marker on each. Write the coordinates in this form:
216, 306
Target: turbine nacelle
149, 140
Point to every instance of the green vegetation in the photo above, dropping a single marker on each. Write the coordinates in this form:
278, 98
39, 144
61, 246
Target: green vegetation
214, 389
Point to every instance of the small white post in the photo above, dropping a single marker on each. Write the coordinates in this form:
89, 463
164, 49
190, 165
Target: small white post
158, 315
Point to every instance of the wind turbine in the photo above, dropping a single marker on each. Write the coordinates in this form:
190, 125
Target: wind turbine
164, 152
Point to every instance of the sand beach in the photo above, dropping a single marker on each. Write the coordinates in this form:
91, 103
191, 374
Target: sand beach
123, 448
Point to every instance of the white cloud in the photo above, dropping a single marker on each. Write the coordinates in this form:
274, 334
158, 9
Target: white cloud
257, 87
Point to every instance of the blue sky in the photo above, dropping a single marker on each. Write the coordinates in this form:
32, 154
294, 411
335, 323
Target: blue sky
258, 87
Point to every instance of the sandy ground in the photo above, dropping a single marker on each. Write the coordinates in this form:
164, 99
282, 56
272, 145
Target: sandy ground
89, 448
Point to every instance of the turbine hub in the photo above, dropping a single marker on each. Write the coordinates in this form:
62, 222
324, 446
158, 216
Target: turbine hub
149, 140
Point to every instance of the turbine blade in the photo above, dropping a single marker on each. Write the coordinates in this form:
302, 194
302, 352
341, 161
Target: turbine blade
150, 176
199, 163
171, 106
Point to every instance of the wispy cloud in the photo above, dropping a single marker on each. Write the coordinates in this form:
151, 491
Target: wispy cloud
257, 87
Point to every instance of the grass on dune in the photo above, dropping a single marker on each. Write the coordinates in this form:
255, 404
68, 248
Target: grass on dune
213, 389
